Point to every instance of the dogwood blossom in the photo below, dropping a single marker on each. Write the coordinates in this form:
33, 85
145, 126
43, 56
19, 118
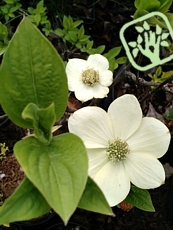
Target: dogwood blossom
122, 146
89, 78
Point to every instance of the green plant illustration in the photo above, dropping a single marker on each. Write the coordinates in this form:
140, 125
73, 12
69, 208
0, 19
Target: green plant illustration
152, 42
149, 41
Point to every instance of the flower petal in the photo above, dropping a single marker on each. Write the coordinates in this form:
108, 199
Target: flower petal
126, 115
93, 125
98, 62
152, 137
114, 182
84, 92
145, 171
100, 91
97, 158
74, 70
106, 78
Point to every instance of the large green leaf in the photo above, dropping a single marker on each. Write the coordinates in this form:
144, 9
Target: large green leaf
94, 200
31, 72
24, 204
140, 198
58, 170
165, 4
147, 5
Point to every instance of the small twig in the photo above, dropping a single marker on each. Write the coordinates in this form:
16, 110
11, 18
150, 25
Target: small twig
150, 83
156, 88
2, 123
3, 116
167, 88
141, 80
120, 74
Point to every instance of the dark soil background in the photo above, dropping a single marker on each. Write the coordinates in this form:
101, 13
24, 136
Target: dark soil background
103, 21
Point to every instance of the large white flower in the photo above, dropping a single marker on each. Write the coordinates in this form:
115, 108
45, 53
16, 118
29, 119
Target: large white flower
89, 78
122, 146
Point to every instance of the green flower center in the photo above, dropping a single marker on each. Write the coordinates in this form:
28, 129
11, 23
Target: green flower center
90, 77
117, 150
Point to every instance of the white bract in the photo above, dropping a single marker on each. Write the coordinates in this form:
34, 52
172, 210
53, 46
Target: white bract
89, 78
122, 146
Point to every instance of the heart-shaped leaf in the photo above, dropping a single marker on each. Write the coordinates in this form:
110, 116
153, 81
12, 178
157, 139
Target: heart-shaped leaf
58, 170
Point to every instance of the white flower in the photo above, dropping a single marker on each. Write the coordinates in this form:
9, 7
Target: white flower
122, 146
89, 78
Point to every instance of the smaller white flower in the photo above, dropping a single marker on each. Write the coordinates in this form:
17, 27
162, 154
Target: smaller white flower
89, 78
122, 146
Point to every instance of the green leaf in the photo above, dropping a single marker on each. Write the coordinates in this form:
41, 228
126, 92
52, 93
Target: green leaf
164, 6
140, 198
140, 13
72, 36
94, 200
3, 49
140, 29
137, 3
31, 10
147, 5
58, 170
60, 32
158, 71
25, 203
15, 8
112, 64
115, 66
37, 18
11, 15
146, 26
113, 52
121, 60
81, 32
164, 36
135, 52
98, 50
84, 39
164, 43
89, 44
43, 120
155, 21
40, 5
170, 18
36, 75
78, 45
70, 22
66, 22
77, 23
3, 30
132, 44
139, 39
158, 30
9, 1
